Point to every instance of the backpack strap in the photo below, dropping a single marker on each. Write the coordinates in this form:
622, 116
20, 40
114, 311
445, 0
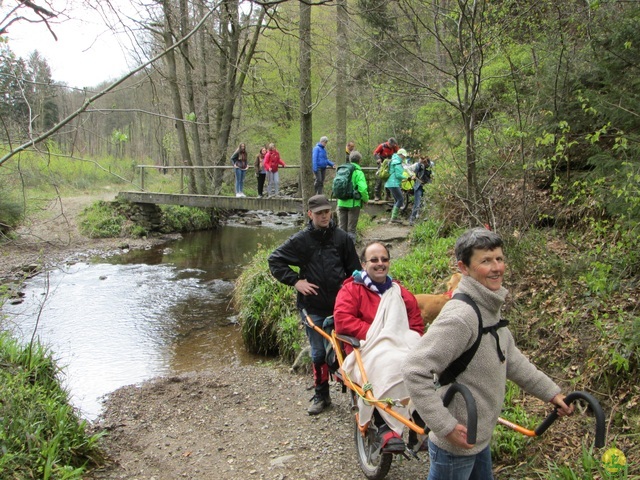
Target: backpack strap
461, 363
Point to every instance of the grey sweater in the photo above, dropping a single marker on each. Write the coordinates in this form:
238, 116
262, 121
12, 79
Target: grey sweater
452, 333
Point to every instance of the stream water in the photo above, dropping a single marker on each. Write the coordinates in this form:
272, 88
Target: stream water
120, 320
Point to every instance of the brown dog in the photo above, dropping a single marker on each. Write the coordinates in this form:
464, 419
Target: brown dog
430, 305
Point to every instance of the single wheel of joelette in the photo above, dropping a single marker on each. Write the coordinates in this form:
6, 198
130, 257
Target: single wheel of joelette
374, 464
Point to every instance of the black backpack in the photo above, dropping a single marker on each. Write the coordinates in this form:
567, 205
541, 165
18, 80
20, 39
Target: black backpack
343, 183
461, 363
423, 173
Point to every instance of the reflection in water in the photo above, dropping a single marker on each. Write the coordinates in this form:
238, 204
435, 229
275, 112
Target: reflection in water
131, 317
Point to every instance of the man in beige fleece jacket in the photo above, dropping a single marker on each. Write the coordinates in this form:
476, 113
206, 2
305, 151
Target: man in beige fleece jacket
481, 261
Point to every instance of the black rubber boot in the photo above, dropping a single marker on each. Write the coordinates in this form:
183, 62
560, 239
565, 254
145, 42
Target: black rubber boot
322, 398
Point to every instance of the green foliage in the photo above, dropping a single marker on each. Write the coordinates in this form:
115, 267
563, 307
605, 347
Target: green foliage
55, 171
588, 468
364, 223
40, 434
266, 310
507, 443
428, 266
176, 218
101, 220
11, 209
138, 231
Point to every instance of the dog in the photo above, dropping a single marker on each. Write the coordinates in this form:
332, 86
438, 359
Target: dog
430, 305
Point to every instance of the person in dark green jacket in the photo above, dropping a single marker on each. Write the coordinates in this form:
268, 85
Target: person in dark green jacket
349, 210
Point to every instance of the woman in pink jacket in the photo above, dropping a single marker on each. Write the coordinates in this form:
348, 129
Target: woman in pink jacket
272, 161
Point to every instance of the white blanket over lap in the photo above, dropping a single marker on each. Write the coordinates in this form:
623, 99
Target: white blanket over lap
388, 341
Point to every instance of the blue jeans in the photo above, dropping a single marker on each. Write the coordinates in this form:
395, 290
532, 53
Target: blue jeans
273, 181
316, 341
417, 197
240, 179
397, 196
446, 466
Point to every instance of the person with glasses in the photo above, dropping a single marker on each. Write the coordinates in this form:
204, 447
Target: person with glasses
325, 255
372, 306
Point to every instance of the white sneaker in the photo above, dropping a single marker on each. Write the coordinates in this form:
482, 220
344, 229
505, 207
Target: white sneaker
238, 194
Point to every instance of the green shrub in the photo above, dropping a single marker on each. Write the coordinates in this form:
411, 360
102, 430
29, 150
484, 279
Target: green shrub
267, 311
176, 218
40, 434
101, 220
429, 265
138, 231
505, 442
364, 223
587, 467
10, 214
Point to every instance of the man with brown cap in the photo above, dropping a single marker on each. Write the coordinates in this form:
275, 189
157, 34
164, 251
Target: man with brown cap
325, 256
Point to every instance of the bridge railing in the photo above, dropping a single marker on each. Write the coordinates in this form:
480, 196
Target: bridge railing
182, 169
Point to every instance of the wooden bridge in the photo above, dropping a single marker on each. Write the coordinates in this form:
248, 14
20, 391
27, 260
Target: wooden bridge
272, 204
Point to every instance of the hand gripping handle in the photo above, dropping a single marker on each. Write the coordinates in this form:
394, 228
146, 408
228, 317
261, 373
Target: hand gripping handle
595, 408
472, 410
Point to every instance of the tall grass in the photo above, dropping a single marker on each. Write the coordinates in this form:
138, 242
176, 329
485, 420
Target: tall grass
114, 219
51, 173
267, 311
41, 435
429, 265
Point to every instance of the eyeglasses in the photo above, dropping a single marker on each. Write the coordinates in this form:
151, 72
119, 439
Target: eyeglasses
378, 260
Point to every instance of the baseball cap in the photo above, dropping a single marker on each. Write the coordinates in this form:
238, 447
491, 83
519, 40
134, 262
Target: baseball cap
317, 203
402, 151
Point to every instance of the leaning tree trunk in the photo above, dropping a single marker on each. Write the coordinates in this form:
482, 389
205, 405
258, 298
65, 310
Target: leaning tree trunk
199, 174
172, 75
306, 123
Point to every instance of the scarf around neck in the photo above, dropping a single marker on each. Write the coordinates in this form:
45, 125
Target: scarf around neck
361, 276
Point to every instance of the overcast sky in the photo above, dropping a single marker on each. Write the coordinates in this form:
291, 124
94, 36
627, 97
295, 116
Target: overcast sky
86, 53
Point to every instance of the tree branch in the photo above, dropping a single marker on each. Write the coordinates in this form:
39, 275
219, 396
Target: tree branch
88, 102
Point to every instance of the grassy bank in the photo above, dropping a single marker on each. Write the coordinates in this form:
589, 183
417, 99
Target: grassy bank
573, 315
40, 434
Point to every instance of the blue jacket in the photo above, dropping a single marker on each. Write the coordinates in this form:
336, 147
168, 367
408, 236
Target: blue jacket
320, 159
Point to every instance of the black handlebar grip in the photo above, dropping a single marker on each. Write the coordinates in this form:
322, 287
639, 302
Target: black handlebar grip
472, 410
595, 408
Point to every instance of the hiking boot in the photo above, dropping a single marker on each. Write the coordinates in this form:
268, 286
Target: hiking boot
320, 402
414, 440
390, 441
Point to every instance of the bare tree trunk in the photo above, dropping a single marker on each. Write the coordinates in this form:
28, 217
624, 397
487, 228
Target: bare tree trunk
235, 66
306, 115
206, 119
199, 175
172, 75
341, 75
472, 187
